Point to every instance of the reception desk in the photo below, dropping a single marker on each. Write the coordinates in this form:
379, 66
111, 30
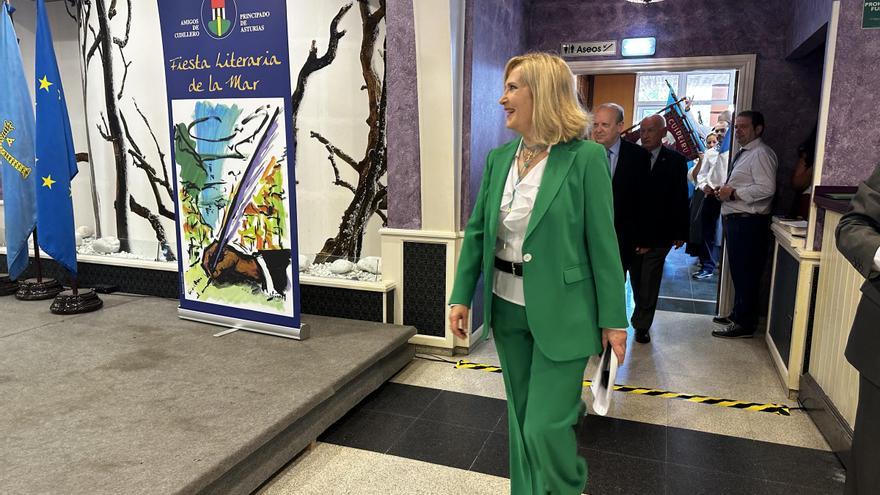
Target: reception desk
829, 389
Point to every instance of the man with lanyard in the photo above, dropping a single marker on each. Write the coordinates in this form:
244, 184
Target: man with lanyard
746, 200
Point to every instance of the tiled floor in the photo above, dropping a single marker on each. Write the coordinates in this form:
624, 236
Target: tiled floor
436, 429
680, 292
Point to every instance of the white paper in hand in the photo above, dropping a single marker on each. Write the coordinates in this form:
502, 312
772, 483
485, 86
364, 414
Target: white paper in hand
603, 382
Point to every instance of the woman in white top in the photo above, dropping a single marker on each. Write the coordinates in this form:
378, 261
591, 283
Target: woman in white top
542, 234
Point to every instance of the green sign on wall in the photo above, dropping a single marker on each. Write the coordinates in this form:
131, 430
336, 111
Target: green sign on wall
871, 17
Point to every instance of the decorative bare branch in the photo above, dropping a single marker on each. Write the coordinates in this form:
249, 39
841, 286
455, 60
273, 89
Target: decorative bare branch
121, 43
67, 6
338, 152
315, 63
140, 161
102, 130
125, 66
156, 222
158, 148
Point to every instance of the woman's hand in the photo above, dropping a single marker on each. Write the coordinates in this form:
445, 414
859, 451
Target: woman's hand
458, 320
617, 338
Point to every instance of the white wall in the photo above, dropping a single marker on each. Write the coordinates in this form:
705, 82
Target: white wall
334, 105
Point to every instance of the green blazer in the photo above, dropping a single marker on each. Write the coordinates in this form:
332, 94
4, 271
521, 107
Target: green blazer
573, 280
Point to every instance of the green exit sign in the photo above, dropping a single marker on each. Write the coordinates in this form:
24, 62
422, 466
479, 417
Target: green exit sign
871, 17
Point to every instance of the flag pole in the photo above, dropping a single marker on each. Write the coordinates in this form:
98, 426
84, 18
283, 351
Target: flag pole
658, 112
38, 265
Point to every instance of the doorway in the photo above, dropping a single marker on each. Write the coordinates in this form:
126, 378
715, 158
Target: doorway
679, 291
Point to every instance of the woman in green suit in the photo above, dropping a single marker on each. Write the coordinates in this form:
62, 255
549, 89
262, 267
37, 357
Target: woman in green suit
542, 234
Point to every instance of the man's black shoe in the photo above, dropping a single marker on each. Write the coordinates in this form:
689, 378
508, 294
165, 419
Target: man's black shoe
734, 331
642, 336
722, 320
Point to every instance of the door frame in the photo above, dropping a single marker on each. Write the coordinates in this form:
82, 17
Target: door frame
745, 86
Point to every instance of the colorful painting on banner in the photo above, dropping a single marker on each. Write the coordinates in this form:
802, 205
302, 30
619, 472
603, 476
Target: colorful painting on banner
228, 77
233, 191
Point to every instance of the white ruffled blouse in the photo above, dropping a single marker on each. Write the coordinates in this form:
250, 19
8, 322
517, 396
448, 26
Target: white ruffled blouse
513, 219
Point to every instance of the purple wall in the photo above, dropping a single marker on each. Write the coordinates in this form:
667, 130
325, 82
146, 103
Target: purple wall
404, 167
495, 30
852, 145
787, 92
807, 17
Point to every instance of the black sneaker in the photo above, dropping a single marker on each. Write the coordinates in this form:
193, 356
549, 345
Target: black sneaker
734, 331
722, 320
642, 336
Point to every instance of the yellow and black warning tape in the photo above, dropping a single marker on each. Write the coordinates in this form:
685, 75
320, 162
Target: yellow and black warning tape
779, 409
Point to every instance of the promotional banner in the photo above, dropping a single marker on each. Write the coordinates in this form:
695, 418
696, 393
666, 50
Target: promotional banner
228, 81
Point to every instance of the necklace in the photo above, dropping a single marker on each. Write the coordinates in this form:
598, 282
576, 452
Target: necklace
527, 156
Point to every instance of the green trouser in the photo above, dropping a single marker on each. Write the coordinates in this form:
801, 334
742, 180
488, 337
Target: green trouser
543, 404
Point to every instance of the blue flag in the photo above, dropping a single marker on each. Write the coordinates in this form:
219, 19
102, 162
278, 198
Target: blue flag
56, 159
725, 143
692, 126
16, 150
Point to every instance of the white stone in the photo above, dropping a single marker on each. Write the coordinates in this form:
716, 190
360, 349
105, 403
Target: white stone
341, 266
85, 231
106, 245
79, 239
371, 264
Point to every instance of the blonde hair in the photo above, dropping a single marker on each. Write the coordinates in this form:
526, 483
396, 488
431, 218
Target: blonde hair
556, 114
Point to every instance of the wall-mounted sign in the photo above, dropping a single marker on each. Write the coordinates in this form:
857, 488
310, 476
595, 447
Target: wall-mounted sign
871, 16
590, 49
638, 47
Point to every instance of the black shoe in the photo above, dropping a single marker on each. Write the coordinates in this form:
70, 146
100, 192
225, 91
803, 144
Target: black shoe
722, 320
642, 336
734, 331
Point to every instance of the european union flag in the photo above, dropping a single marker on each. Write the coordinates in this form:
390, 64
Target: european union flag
16, 149
56, 159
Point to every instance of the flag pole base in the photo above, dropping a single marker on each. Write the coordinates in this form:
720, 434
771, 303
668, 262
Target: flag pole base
7, 285
68, 303
32, 290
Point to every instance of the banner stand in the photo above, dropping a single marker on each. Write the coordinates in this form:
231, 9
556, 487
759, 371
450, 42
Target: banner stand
236, 324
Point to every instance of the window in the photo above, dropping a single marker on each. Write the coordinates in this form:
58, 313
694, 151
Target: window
711, 92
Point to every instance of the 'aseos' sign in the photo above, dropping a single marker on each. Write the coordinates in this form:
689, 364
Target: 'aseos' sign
589, 49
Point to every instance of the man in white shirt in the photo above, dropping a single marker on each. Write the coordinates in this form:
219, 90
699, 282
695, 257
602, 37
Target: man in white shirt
746, 198
712, 175
858, 239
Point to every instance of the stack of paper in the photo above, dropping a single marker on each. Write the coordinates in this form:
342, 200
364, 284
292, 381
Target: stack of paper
794, 227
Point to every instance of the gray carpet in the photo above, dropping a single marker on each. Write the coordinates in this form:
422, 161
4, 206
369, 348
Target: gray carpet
131, 399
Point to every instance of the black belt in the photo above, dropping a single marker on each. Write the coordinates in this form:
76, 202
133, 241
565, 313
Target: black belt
509, 266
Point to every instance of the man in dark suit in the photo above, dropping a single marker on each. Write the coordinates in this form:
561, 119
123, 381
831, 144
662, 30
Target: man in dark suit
665, 221
858, 239
630, 166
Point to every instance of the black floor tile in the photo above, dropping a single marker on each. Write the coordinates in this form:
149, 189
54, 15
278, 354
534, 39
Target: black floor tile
676, 288
753, 459
502, 426
620, 436
456, 408
400, 399
704, 308
494, 459
367, 430
677, 305
609, 473
686, 480
440, 443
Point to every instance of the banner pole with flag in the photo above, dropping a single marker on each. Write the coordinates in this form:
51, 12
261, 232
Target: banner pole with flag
56, 168
17, 160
